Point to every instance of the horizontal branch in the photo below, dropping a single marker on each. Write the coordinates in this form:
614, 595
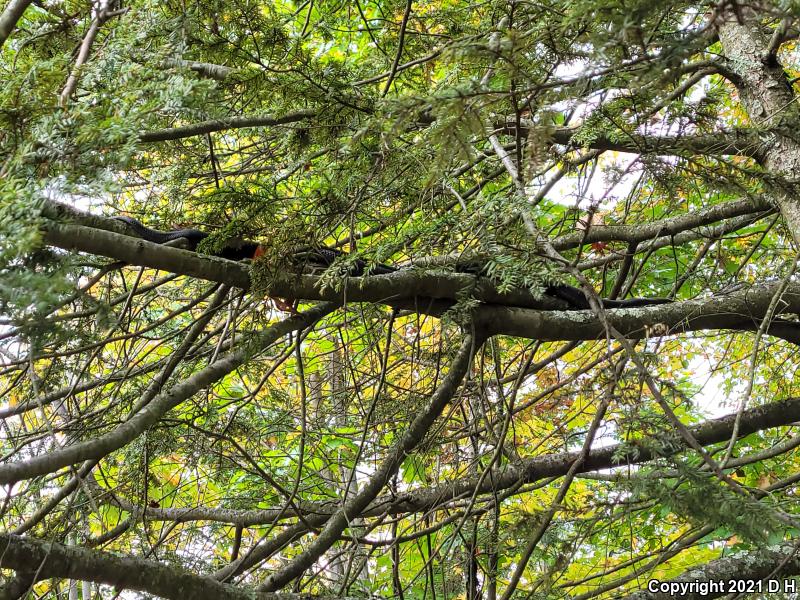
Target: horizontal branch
516, 313
773, 564
51, 560
740, 311
670, 226
739, 142
775, 414
176, 133
406, 288
421, 500
712, 232
210, 70
744, 143
139, 252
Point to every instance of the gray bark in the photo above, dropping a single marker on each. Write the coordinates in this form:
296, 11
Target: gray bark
51, 560
10, 16
769, 100
504, 313
765, 564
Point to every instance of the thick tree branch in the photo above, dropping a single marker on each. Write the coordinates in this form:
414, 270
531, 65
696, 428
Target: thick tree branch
517, 312
714, 232
757, 565
51, 560
776, 414
176, 133
11, 14
388, 289
740, 142
742, 311
668, 227
18, 586
743, 142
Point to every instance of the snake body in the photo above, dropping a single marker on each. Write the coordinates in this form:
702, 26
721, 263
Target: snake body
194, 236
236, 249
576, 299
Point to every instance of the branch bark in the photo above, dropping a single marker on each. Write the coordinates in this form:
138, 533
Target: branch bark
740, 142
51, 560
210, 70
769, 100
421, 500
755, 566
744, 143
670, 226
742, 311
518, 312
10, 16
177, 133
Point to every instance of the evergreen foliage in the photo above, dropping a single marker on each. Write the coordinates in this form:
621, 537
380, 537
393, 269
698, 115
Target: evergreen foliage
447, 431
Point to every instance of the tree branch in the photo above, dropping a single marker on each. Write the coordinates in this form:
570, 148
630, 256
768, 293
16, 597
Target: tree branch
517, 312
757, 565
739, 142
10, 16
742, 311
662, 228
775, 414
53, 560
176, 133
421, 500
210, 70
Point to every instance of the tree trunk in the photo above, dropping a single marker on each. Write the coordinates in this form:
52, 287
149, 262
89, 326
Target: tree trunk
768, 98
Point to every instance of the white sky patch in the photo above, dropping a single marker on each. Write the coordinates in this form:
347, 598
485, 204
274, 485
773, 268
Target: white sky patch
599, 188
602, 186
712, 400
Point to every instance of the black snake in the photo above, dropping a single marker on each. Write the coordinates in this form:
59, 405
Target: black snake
573, 297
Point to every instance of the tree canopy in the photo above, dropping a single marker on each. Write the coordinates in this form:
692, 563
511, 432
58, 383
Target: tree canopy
179, 425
